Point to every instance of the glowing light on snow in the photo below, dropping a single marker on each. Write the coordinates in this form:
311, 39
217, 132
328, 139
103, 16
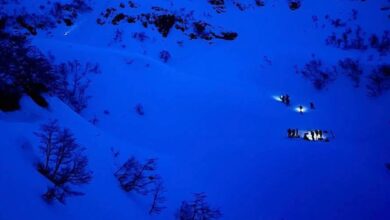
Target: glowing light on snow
277, 98
72, 28
301, 110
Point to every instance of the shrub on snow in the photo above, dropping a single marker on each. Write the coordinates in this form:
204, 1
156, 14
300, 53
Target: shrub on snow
63, 162
198, 209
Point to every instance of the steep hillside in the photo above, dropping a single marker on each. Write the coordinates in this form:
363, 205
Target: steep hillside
202, 96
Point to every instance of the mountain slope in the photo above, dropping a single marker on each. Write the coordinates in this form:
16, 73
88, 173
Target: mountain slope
211, 120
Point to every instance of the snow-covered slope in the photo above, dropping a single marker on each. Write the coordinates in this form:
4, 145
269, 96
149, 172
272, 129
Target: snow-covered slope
211, 120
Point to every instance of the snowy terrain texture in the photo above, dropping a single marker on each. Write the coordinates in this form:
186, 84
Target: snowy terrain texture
197, 86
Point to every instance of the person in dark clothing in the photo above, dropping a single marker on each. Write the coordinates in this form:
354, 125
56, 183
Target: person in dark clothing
312, 105
306, 136
285, 99
292, 133
300, 109
289, 133
313, 135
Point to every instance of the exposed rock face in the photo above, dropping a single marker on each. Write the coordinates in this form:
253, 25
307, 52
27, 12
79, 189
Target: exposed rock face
165, 21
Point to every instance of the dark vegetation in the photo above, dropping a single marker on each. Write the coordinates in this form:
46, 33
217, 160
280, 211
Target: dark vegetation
140, 36
135, 176
381, 44
74, 83
379, 81
260, 3
198, 209
164, 21
158, 198
239, 5
218, 5
49, 17
352, 69
24, 69
118, 37
350, 39
355, 38
317, 73
387, 165
68, 12
63, 162
294, 4
165, 56
139, 109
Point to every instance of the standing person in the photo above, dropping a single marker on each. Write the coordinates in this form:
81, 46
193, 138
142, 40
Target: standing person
289, 132
312, 105
283, 98
287, 99
300, 109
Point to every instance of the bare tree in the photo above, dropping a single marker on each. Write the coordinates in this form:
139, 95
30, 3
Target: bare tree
379, 81
352, 69
135, 176
141, 178
319, 75
47, 135
158, 198
63, 162
198, 209
75, 82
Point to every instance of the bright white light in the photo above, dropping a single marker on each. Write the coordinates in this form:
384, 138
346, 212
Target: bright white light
66, 33
301, 110
309, 136
277, 98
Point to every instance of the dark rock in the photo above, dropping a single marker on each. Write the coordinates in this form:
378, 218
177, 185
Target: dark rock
118, 18
227, 35
164, 23
68, 22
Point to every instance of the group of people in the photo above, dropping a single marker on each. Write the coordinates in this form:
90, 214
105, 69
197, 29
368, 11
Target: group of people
293, 133
285, 99
313, 135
